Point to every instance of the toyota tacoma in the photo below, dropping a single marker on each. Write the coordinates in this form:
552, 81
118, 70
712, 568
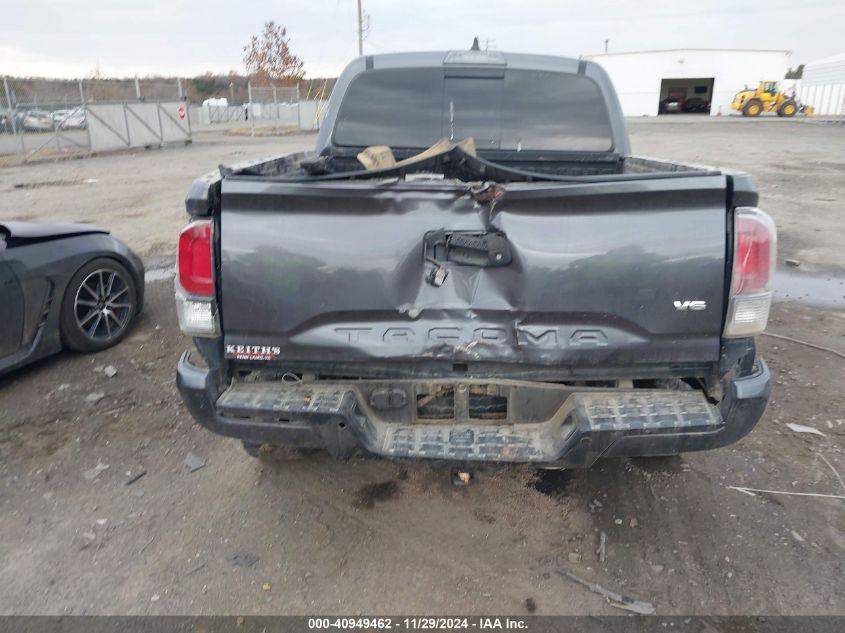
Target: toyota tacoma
472, 266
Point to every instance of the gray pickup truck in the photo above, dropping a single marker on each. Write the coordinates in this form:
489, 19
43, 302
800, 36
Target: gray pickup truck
471, 265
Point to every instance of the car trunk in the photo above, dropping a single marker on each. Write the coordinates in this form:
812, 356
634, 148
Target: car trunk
532, 274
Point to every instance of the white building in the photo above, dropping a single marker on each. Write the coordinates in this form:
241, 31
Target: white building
823, 85
644, 78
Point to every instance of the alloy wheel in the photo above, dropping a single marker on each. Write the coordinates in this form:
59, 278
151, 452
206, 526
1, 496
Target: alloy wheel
103, 305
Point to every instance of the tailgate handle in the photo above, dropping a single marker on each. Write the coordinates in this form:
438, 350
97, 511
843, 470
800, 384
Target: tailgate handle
468, 248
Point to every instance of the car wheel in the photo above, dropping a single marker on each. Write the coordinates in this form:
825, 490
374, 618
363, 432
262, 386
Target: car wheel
99, 304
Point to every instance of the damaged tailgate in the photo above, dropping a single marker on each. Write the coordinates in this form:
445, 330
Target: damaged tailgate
537, 273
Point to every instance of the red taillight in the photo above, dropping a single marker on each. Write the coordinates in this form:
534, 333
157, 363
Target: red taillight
753, 254
195, 270
755, 251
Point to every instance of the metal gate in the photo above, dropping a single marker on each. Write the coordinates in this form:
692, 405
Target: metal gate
138, 124
42, 118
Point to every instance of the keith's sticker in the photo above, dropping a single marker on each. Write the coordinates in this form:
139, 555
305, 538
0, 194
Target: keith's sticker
253, 352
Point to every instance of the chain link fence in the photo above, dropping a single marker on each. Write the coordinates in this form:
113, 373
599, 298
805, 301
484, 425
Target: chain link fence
274, 106
55, 118
42, 118
266, 109
221, 111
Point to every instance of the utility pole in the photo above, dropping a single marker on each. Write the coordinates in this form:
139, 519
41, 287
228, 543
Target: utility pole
360, 29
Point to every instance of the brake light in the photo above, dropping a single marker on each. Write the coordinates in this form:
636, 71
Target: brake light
754, 241
195, 269
195, 305
755, 250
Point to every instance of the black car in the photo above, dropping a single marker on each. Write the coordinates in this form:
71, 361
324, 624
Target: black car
696, 104
64, 286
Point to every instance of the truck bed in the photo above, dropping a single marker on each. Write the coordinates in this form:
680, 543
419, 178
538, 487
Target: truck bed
501, 166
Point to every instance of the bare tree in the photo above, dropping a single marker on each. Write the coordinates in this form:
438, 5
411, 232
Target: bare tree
268, 57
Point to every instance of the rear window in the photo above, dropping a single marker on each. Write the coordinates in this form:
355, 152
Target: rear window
512, 110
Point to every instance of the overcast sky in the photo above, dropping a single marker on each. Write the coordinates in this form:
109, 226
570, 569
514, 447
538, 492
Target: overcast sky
70, 38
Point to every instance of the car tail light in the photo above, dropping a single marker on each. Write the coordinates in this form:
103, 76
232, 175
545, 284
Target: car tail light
755, 251
195, 270
195, 303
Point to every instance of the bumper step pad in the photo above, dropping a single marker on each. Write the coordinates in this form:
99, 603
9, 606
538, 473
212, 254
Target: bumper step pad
589, 421
513, 443
275, 400
649, 411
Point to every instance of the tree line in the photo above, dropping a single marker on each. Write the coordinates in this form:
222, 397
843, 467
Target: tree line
268, 61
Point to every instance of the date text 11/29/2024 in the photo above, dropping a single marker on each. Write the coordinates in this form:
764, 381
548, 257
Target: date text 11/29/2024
418, 623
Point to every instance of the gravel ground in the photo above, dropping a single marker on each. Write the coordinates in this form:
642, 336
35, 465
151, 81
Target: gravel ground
798, 165
372, 536
137, 195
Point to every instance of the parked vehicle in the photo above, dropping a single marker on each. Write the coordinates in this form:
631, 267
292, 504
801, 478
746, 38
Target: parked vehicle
64, 286
696, 104
69, 119
670, 105
536, 294
6, 126
36, 121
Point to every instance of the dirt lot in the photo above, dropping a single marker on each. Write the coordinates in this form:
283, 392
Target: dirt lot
137, 195
372, 536
798, 166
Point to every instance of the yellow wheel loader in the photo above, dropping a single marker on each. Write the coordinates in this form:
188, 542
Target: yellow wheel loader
766, 98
